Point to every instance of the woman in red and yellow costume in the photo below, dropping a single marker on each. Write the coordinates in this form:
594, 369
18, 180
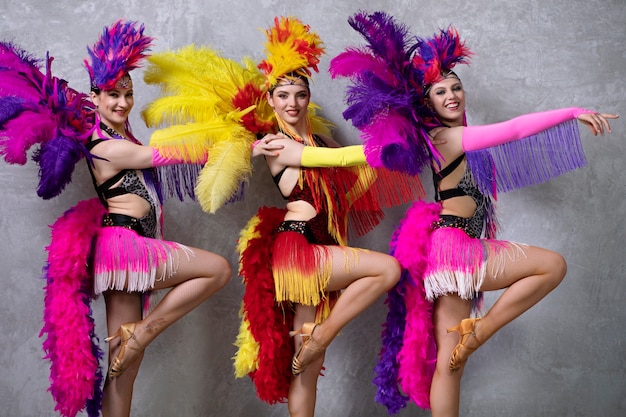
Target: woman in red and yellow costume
303, 284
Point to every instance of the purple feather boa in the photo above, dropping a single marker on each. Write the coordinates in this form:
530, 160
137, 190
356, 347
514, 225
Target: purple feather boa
70, 342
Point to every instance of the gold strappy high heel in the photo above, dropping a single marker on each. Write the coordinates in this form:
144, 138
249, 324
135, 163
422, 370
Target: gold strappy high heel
309, 350
461, 352
125, 333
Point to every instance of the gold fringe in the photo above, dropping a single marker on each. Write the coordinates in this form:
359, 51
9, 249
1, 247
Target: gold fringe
293, 284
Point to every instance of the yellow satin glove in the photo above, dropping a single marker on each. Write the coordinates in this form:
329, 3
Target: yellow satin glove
320, 157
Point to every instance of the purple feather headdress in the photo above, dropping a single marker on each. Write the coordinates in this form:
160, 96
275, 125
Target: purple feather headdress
37, 108
436, 56
120, 49
383, 93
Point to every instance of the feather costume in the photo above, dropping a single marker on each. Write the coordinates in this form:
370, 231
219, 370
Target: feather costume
348, 201
70, 342
211, 106
41, 110
390, 78
120, 49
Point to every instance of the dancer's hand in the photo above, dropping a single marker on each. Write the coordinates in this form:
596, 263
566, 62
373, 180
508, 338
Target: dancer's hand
266, 147
597, 122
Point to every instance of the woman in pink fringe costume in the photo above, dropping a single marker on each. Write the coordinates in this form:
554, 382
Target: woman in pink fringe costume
404, 96
129, 257
111, 245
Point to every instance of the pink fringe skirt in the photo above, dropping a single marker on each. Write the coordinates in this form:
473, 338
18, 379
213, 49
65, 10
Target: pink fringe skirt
125, 260
457, 263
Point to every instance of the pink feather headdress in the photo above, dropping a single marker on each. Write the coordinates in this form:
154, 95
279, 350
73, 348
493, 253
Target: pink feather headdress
120, 49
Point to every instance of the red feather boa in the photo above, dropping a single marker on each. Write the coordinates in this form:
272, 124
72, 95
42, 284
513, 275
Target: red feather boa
270, 322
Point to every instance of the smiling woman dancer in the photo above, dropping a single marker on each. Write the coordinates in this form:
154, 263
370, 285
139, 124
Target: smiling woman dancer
459, 256
309, 262
127, 258
294, 260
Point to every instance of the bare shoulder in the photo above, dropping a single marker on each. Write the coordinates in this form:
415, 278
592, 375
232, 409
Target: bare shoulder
448, 142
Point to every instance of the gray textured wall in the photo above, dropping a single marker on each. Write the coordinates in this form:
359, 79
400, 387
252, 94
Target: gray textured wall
563, 358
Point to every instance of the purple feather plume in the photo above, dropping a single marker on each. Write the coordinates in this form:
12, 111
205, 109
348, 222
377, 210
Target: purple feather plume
10, 107
57, 159
383, 95
386, 371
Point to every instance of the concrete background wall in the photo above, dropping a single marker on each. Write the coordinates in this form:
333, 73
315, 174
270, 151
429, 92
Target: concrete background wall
565, 357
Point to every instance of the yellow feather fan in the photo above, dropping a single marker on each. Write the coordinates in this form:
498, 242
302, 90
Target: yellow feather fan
228, 165
211, 106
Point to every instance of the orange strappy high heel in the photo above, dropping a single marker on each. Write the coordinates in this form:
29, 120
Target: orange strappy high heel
309, 350
461, 352
125, 333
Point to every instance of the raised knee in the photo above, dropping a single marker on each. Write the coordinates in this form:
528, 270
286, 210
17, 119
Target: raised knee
392, 272
225, 273
558, 268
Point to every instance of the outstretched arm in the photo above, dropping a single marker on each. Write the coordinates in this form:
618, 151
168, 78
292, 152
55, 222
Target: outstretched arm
122, 154
487, 136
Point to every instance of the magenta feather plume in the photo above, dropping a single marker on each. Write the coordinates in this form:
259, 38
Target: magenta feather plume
407, 358
387, 144
120, 49
382, 95
20, 134
37, 108
351, 62
70, 343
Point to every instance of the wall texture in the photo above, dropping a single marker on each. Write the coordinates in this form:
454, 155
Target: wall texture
565, 357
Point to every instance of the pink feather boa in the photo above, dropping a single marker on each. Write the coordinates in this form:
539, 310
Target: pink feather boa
418, 354
75, 376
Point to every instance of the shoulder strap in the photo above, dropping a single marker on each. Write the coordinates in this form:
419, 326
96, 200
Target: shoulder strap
438, 176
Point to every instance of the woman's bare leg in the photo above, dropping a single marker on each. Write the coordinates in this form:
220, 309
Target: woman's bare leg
196, 279
527, 280
303, 388
121, 307
364, 276
445, 389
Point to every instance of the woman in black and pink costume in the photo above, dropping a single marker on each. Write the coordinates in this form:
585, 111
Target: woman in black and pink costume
448, 248
117, 236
